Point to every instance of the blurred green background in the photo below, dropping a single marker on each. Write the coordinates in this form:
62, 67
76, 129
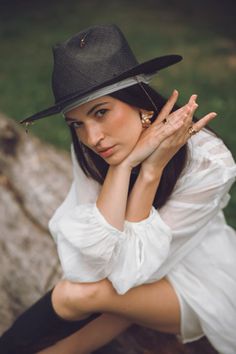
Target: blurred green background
203, 32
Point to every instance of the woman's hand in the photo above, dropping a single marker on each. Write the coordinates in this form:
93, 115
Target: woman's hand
153, 136
156, 162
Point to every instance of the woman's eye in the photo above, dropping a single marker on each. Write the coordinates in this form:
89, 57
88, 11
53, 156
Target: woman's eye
76, 124
100, 113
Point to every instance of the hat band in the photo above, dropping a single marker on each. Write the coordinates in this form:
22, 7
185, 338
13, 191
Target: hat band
108, 89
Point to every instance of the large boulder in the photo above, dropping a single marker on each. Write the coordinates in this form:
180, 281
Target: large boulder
34, 179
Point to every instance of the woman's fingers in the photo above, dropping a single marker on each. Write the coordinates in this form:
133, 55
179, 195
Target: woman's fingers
165, 111
181, 123
191, 106
204, 121
178, 123
190, 113
183, 113
192, 99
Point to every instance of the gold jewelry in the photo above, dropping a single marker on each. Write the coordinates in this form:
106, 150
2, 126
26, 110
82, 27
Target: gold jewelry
145, 119
165, 121
192, 131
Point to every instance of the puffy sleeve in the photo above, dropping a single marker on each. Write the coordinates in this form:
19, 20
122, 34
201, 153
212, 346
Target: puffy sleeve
90, 249
200, 194
146, 247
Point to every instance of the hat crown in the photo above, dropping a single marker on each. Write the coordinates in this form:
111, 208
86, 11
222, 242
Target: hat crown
95, 62
89, 58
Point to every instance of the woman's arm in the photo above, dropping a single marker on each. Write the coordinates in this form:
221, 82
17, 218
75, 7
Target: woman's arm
112, 200
151, 170
113, 196
141, 197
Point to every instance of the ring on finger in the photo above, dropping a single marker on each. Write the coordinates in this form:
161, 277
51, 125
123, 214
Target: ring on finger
165, 121
192, 131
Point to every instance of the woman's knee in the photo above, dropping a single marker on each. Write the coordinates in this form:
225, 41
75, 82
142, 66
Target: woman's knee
70, 298
93, 296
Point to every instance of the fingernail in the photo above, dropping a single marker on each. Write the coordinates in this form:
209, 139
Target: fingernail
175, 91
214, 114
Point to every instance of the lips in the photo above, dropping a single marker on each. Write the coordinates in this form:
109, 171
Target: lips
106, 152
104, 149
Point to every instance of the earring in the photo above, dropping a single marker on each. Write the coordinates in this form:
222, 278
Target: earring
145, 119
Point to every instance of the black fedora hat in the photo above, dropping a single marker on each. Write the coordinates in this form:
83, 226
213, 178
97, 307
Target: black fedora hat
93, 63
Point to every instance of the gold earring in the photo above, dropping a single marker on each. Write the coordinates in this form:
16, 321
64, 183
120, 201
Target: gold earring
145, 119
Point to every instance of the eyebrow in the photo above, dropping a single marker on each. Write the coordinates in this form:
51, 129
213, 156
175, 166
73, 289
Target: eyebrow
96, 106
89, 111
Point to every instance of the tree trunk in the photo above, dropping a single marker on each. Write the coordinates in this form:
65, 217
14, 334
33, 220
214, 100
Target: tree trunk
34, 180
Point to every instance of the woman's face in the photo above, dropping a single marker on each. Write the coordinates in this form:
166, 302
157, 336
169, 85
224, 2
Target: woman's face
107, 126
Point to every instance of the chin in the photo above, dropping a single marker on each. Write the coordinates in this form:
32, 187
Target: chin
115, 159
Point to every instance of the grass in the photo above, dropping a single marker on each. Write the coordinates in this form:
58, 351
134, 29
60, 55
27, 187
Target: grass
202, 33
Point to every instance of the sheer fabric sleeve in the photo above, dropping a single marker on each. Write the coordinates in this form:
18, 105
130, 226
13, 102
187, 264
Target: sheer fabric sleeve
90, 249
145, 249
201, 192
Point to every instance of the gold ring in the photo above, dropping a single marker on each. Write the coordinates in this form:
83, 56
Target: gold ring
192, 131
165, 121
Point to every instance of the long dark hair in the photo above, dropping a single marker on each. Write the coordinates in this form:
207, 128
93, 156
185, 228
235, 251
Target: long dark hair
145, 97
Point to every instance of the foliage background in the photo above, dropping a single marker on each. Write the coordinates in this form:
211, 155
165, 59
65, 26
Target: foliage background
204, 32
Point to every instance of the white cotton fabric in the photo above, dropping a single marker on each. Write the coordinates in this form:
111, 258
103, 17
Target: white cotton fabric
187, 241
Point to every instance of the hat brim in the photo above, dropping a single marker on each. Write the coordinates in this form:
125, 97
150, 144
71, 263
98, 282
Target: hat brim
149, 67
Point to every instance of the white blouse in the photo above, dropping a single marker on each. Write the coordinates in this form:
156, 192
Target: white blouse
90, 249
182, 240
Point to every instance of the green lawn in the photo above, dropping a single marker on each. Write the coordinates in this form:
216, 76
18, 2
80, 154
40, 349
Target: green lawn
204, 33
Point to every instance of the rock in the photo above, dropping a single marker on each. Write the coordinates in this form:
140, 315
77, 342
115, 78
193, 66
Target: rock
34, 179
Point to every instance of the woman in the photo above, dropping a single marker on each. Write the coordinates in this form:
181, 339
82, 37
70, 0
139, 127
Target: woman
141, 235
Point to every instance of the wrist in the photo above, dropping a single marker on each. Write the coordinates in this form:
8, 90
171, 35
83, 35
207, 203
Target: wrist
125, 165
151, 174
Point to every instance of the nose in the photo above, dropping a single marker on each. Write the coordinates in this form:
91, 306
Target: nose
94, 134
